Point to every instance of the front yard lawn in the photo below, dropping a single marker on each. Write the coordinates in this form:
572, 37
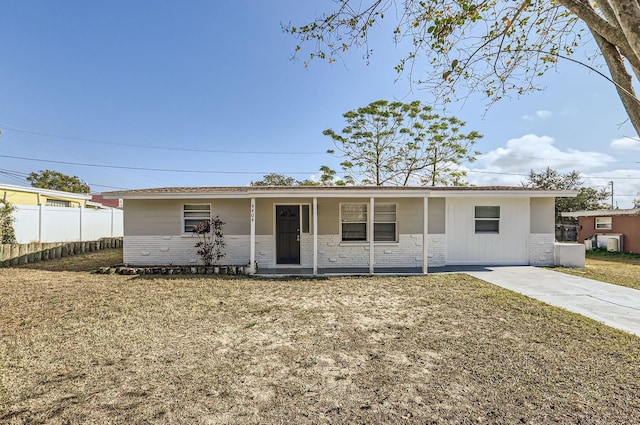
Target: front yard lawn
83, 348
612, 267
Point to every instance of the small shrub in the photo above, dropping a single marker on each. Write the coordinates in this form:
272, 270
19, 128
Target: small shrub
7, 232
211, 242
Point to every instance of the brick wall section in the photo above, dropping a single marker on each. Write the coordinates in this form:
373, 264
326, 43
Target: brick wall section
406, 253
266, 255
437, 250
541, 247
265, 251
179, 250
627, 225
334, 253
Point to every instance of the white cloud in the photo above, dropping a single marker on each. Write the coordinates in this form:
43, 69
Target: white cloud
537, 152
510, 165
542, 114
626, 144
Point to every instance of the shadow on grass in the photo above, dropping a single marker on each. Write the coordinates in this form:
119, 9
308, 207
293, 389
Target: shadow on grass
86, 262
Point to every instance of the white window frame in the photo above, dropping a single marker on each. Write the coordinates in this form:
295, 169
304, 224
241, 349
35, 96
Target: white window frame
366, 222
202, 218
395, 222
57, 203
309, 218
476, 219
603, 223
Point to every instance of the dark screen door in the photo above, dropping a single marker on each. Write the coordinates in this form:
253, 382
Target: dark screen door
288, 234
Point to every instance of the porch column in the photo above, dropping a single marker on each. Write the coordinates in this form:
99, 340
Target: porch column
252, 239
425, 236
371, 234
314, 213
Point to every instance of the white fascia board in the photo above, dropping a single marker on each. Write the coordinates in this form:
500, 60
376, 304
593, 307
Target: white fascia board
364, 193
201, 195
506, 194
341, 194
48, 192
601, 213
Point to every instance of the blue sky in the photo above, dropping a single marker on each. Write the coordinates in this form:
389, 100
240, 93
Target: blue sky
209, 86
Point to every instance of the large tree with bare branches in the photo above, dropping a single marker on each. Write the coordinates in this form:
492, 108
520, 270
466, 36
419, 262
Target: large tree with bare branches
491, 46
401, 144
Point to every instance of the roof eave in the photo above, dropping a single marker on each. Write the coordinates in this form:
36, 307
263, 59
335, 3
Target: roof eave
331, 192
600, 213
48, 192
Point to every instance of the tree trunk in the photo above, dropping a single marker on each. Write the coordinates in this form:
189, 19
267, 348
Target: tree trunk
628, 16
617, 32
622, 78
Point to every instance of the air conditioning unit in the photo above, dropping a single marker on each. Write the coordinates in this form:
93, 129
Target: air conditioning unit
610, 241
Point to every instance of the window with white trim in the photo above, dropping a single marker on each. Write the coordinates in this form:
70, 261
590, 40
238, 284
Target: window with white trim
304, 218
57, 203
384, 223
354, 222
603, 223
193, 214
487, 219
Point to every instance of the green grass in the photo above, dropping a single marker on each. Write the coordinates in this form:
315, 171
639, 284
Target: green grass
601, 253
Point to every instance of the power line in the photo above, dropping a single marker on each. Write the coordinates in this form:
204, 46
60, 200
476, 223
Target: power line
8, 127
167, 170
20, 177
14, 176
166, 148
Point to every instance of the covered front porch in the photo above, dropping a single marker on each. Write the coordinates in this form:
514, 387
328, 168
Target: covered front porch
329, 235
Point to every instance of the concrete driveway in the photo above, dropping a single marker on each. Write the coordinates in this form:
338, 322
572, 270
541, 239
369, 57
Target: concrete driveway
613, 305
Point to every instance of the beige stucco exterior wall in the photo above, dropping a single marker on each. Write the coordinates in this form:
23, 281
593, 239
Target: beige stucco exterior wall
265, 210
437, 216
409, 214
164, 217
542, 213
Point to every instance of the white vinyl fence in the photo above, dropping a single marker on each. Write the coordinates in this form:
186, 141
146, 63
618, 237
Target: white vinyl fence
63, 224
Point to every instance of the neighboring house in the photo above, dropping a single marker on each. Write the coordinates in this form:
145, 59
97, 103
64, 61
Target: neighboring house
319, 230
26, 195
100, 202
602, 225
47, 216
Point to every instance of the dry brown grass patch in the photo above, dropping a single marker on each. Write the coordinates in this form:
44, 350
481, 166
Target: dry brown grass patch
619, 271
77, 348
